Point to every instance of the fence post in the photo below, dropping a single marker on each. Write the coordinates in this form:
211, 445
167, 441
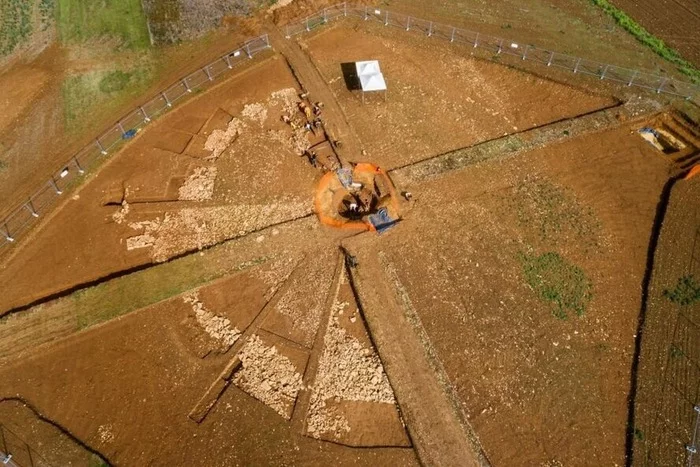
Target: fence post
345, 8
55, 186
247, 50
386, 18
267, 41
634, 75
228, 62
692, 448
408, 23
287, 36
366, 13
476, 40
187, 85
430, 29
167, 101
578, 62
10, 239
77, 164
452, 38
102, 148
500, 47
551, 57
660, 88
30, 208
146, 118
605, 70
121, 128
527, 47
325, 17
206, 70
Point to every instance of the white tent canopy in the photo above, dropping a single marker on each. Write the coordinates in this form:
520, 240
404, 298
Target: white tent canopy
371, 77
373, 82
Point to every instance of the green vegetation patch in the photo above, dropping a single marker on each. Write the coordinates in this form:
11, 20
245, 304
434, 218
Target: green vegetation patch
15, 25
649, 40
47, 10
83, 94
557, 281
686, 292
125, 294
82, 20
554, 213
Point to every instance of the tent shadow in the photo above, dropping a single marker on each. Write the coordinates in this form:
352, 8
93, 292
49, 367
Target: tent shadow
352, 81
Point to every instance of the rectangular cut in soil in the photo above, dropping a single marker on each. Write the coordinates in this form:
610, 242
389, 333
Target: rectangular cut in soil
239, 298
188, 123
152, 185
171, 140
196, 148
219, 120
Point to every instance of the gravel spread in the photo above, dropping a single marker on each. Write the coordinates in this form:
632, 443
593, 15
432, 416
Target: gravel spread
219, 140
268, 376
199, 186
304, 299
218, 327
347, 371
196, 228
277, 272
256, 112
289, 97
120, 216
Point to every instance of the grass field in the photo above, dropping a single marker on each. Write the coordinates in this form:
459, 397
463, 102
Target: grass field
82, 20
15, 24
82, 93
649, 40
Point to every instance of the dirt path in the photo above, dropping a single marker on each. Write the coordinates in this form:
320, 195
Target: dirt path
316, 85
517, 143
439, 433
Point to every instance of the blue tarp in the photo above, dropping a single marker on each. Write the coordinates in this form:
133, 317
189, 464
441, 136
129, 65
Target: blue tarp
382, 221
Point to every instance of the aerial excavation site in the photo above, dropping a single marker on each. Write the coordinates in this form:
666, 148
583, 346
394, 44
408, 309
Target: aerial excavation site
295, 232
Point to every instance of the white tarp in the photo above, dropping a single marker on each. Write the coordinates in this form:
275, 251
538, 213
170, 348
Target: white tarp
371, 78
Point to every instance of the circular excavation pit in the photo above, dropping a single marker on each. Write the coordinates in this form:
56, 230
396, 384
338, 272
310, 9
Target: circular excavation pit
357, 197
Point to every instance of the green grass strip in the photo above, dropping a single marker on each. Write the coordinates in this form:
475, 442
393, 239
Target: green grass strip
82, 20
650, 40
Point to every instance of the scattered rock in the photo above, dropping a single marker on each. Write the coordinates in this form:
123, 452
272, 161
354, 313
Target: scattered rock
120, 216
268, 376
347, 371
199, 186
218, 327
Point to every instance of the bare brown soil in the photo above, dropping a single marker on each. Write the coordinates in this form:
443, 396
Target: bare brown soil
472, 100
142, 365
519, 373
673, 21
266, 180
668, 374
23, 431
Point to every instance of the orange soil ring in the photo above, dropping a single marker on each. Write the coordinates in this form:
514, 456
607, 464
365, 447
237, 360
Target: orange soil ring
329, 184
